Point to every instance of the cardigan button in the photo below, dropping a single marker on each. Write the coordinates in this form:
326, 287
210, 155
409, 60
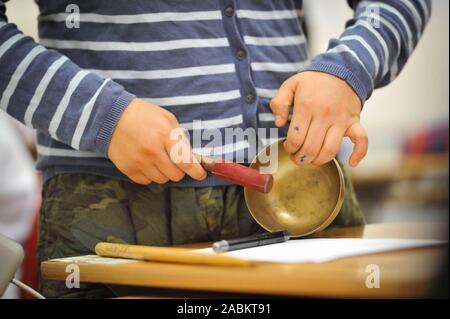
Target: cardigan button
241, 55
250, 98
229, 11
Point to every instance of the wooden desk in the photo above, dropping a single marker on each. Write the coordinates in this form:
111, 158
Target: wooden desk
408, 273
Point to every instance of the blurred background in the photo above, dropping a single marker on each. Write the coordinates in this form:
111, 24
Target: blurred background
403, 178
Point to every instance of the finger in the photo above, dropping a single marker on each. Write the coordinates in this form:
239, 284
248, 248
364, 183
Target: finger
168, 168
313, 142
298, 129
331, 145
155, 175
139, 178
180, 153
358, 136
282, 101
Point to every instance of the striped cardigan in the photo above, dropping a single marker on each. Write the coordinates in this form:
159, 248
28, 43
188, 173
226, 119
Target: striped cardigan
218, 61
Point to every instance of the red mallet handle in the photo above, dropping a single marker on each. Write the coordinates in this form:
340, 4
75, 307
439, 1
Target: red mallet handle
242, 175
237, 173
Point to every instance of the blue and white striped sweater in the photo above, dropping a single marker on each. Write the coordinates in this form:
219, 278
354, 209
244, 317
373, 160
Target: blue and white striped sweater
195, 58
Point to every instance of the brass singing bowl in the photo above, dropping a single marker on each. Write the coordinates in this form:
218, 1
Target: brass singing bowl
304, 199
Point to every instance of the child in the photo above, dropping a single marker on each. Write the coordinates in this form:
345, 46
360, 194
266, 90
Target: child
111, 81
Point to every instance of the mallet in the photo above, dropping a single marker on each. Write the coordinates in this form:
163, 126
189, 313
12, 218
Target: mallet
237, 173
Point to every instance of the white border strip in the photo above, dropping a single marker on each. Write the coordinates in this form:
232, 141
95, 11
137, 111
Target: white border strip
165, 74
135, 46
275, 41
138, 18
213, 124
278, 67
267, 15
195, 99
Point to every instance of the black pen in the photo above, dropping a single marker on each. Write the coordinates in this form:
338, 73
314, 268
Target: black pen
251, 241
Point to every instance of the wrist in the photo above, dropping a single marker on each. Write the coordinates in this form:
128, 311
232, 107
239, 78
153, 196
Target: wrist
344, 74
103, 140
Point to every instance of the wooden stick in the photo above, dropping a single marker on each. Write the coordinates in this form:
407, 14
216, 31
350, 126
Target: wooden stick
167, 254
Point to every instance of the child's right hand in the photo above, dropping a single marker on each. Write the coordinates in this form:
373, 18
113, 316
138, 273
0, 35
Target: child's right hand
141, 146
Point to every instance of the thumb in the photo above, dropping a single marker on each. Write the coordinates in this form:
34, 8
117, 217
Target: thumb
358, 136
282, 100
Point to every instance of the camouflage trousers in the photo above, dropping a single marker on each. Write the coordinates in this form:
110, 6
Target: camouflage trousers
80, 210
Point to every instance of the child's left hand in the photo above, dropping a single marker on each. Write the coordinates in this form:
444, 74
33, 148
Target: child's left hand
326, 109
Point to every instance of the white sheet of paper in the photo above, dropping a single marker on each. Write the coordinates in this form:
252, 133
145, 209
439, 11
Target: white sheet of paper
326, 249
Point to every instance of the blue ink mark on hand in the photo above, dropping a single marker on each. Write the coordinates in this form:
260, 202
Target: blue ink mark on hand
302, 158
296, 128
